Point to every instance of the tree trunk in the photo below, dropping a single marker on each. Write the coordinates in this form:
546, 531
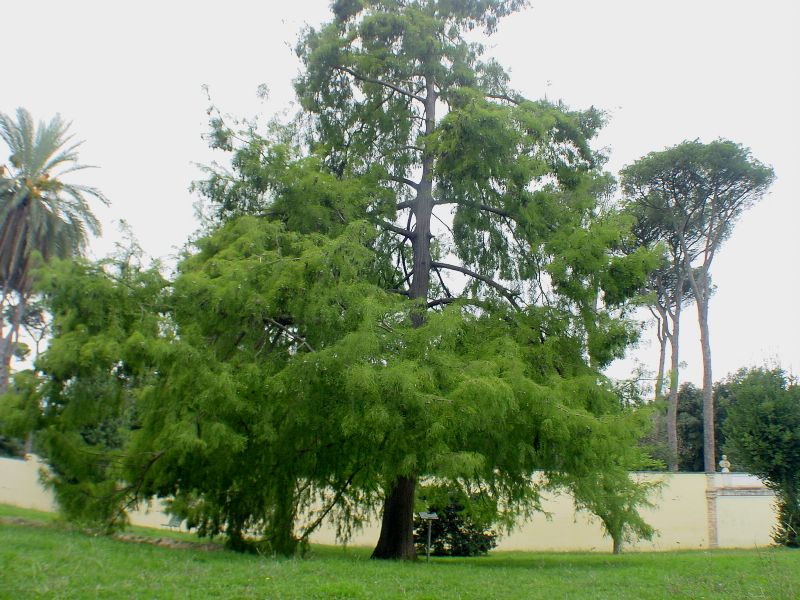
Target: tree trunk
662, 355
672, 400
8, 343
397, 525
617, 546
709, 450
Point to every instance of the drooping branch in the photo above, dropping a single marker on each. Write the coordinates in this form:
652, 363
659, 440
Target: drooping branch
481, 206
135, 488
446, 226
443, 284
309, 529
387, 84
504, 291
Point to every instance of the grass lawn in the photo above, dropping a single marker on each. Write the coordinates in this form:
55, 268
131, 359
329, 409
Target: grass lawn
50, 561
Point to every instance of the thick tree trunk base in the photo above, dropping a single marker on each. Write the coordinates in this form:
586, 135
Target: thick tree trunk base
396, 541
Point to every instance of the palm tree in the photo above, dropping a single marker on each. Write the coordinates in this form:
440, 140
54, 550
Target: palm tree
40, 214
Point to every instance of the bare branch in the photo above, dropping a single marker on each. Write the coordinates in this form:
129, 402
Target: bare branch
405, 180
444, 285
481, 206
442, 301
504, 97
292, 335
380, 82
395, 229
438, 218
406, 204
504, 291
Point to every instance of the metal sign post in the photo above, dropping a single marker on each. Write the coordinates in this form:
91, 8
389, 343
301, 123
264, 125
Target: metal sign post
429, 517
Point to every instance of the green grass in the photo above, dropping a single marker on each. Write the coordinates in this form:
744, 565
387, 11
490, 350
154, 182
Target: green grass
54, 562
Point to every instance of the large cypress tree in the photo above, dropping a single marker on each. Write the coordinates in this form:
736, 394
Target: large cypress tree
398, 94
327, 344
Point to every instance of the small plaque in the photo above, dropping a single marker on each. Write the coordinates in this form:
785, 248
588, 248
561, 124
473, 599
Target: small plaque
428, 516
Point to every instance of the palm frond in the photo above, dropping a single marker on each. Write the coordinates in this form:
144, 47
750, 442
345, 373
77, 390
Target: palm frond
39, 211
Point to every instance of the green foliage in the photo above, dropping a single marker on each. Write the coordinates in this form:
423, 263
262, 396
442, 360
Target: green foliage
94, 369
690, 424
763, 435
39, 211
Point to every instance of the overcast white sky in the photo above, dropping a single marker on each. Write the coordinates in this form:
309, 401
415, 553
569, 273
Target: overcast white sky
129, 77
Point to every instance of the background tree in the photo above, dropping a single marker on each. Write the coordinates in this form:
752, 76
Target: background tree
699, 191
616, 501
763, 435
667, 292
40, 214
83, 397
690, 424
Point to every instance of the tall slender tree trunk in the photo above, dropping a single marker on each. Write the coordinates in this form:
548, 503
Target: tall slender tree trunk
396, 540
662, 355
672, 399
709, 450
700, 287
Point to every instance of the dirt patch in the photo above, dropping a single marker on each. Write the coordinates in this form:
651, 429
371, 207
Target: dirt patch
23, 521
167, 542
132, 538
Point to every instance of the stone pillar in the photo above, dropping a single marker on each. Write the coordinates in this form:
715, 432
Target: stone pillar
712, 491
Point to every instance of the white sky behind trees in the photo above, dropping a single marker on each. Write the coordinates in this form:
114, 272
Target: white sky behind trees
129, 77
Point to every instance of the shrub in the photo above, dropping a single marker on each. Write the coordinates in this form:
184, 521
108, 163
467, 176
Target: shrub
455, 533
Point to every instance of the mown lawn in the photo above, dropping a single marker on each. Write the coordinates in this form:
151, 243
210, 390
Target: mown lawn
51, 561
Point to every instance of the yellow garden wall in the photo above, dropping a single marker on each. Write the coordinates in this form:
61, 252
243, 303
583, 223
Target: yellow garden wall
693, 511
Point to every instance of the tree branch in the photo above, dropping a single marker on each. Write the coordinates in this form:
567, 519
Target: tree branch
391, 86
406, 204
444, 285
441, 301
503, 97
405, 180
481, 206
395, 229
310, 528
504, 291
286, 330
